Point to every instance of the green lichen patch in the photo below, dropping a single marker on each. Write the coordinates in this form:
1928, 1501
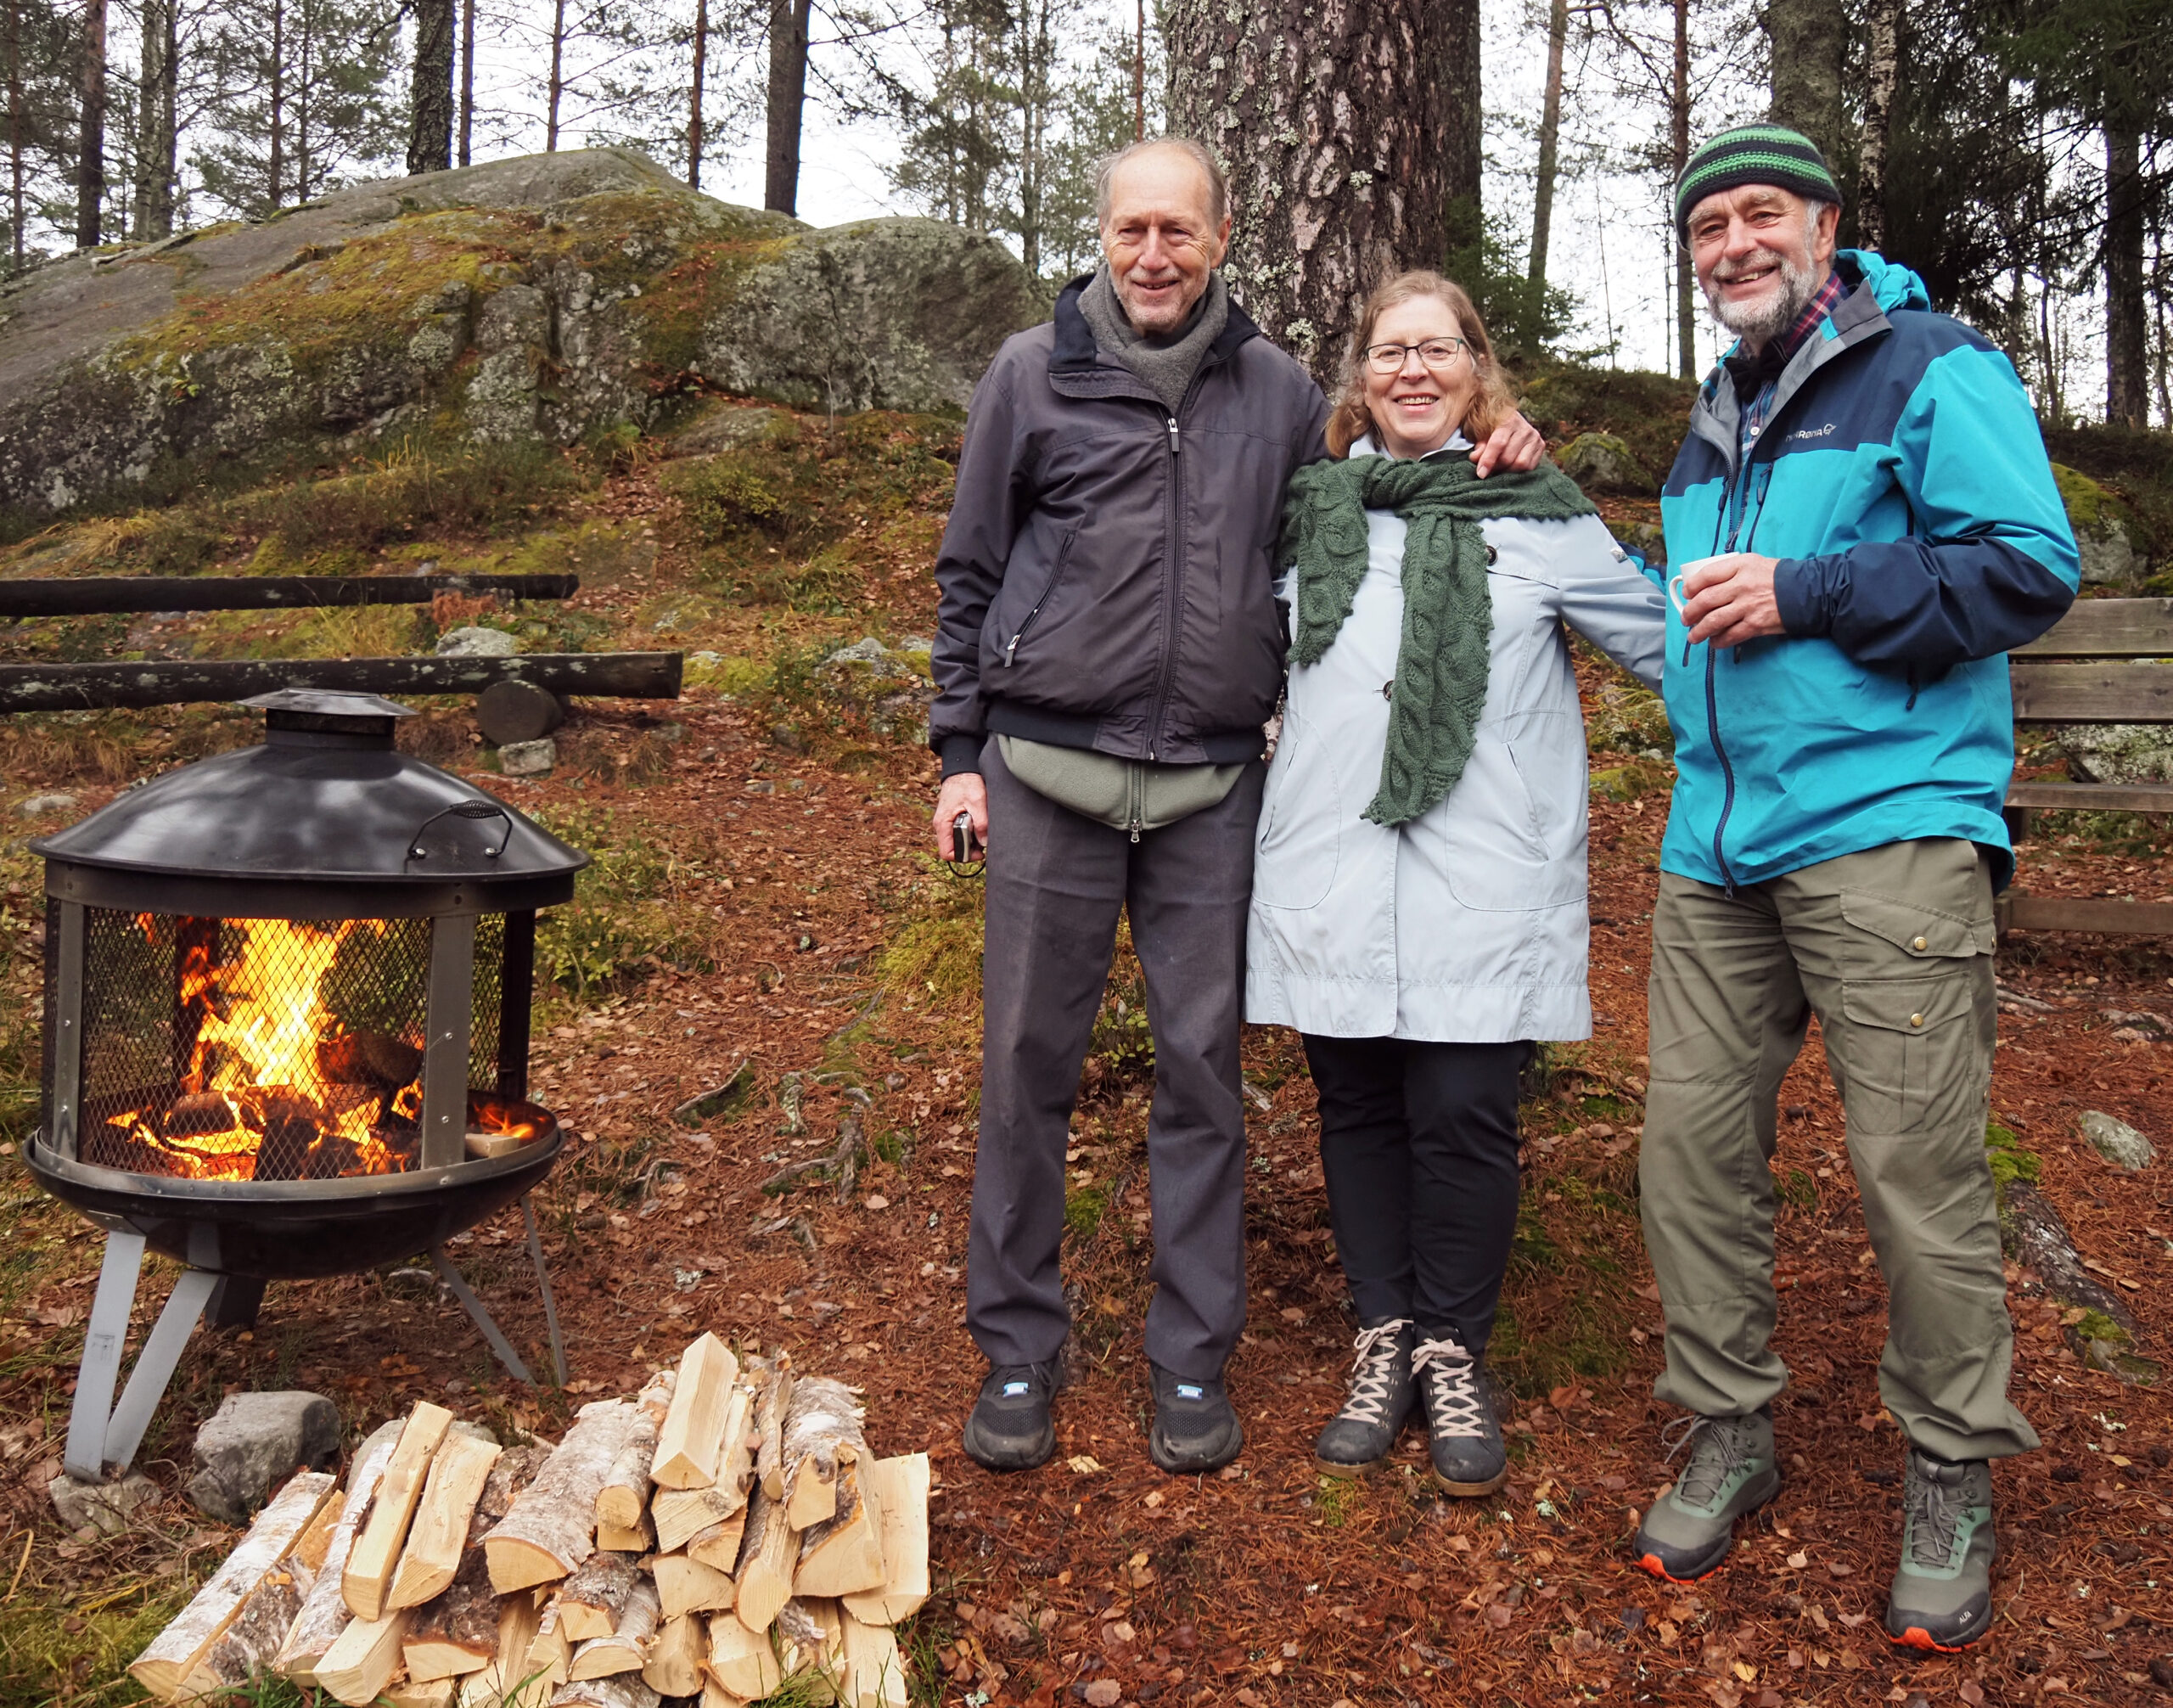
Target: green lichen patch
2009, 1161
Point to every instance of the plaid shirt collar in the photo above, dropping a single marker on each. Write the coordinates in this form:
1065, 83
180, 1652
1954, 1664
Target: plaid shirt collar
1760, 374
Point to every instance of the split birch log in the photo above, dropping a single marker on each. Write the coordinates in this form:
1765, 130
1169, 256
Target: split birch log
164, 1666
810, 1647
592, 1599
639, 1540
506, 1681
673, 1664
741, 1661
715, 1696
439, 1536
822, 1434
897, 1488
376, 1551
313, 1544
620, 1690
362, 1660
685, 1586
457, 1632
682, 1514
324, 1613
551, 1653
735, 1471
622, 1651
719, 1545
844, 1556
773, 1402
246, 1649
874, 1671
692, 1440
767, 1557
433, 1692
552, 1526
624, 1497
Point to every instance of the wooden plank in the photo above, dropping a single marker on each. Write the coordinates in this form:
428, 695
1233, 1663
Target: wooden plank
88, 687
2107, 629
166, 1664
109, 595
897, 1488
2049, 692
2108, 915
458, 1470
2094, 797
691, 1443
376, 1552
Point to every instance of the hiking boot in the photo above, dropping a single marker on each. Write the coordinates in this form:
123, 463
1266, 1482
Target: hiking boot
1462, 1438
1731, 1470
1359, 1437
1195, 1430
1942, 1596
1009, 1428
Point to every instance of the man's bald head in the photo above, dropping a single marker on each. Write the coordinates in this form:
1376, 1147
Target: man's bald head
1163, 209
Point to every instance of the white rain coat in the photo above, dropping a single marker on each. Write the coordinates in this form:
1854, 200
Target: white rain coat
1467, 924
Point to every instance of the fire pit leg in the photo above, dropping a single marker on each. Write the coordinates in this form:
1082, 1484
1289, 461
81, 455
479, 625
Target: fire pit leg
100, 1432
461, 1291
543, 1286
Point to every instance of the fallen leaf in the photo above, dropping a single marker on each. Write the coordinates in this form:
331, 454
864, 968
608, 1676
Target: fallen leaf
876, 1200
1744, 1670
1798, 1559
1085, 1464
1104, 1692
1970, 1691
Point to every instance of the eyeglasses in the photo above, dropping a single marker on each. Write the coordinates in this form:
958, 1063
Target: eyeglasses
1439, 354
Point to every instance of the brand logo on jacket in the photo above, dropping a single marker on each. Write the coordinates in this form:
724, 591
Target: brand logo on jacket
1816, 432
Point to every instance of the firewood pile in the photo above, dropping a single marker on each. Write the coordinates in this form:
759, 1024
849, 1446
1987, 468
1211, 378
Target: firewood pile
723, 1531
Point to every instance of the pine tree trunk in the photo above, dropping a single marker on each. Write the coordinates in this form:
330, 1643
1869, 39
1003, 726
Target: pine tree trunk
1809, 42
788, 20
276, 161
694, 95
1550, 137
2127, 364
558, 86
430, 122
467, 79
1679, 96
90, 164
1344, 135
1883, 72
18, 138
149, 80
1463, 216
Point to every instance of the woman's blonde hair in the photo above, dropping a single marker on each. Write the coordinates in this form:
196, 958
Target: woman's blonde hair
1491, 405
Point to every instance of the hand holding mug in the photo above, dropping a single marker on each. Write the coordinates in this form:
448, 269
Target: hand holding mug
1728, 600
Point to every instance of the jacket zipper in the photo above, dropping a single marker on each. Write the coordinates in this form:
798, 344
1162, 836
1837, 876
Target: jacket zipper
1712, 702
1172, 569
1136, 776
1063, 561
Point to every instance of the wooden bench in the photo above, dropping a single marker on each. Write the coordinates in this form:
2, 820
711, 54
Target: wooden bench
2106, 661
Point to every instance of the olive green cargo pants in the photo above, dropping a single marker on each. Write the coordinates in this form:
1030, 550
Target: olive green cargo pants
1892, 949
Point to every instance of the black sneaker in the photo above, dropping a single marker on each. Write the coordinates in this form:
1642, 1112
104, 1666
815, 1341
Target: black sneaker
1462, 1437
1362, 1435
1009, 1428
1195, 1429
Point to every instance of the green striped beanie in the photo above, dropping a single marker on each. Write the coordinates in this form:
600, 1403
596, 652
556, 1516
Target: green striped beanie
1752, 154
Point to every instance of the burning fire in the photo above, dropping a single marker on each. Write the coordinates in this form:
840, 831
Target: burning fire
272, 1076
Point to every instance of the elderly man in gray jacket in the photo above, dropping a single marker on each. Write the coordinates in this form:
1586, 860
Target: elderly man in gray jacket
1108, 650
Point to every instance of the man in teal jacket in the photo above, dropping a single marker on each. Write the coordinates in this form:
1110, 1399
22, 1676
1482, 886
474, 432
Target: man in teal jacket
1862, 522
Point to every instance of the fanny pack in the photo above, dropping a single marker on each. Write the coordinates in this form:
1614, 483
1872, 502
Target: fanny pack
1124, 793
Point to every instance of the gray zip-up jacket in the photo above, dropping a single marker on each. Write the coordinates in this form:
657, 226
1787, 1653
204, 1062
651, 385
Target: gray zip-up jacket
1106, 578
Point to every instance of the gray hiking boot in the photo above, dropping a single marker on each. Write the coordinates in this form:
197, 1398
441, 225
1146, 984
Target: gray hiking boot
1942, 1596
1360, 1436
1462, 1437
1731, 1470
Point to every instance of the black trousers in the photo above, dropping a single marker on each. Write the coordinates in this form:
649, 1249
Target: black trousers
1418, 1141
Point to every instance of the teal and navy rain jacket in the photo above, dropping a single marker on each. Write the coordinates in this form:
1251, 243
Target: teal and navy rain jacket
1901, 480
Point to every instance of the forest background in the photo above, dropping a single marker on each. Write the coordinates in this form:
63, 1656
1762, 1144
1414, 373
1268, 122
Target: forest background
2014, 153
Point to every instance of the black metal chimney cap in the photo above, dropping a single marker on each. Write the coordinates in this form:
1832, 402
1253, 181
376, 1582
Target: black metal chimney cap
326, 717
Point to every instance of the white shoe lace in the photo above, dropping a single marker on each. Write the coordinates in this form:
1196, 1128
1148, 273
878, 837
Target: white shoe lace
1454, 1406
1372, 1371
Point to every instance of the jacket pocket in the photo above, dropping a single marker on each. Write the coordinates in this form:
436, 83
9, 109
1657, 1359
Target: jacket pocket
1048, 587
1911, 1060
1300, 840
1512, 830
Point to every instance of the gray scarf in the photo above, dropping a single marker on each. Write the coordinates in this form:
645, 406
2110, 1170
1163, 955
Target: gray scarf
1166, 364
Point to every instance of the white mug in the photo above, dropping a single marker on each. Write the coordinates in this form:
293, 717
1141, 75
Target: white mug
1674, 582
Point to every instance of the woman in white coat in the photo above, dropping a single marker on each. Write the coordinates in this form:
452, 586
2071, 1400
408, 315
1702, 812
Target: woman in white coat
1418, 906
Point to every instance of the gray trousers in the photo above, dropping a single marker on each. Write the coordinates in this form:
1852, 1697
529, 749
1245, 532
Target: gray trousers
1892, 949
1056, 884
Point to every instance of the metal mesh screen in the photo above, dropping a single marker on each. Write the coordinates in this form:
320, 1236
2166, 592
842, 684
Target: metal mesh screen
263, 1049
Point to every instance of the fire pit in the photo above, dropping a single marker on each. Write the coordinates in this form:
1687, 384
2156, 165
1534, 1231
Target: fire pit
286, 1031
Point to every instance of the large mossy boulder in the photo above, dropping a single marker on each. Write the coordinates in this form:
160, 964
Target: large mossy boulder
1602, 463
2105, 532
542, 298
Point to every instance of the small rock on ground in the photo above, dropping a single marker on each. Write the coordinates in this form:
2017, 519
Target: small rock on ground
253, 1443
528, 758
106, 1508
39, 805
475, 643
2115, 1141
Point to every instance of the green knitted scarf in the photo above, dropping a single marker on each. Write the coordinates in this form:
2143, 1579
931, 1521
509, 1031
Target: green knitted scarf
1448, 614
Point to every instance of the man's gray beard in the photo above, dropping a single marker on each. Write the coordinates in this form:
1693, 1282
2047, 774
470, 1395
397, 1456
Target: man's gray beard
1758, 324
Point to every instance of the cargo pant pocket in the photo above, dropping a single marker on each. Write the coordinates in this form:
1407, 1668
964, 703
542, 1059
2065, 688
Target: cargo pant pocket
1910, 1052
